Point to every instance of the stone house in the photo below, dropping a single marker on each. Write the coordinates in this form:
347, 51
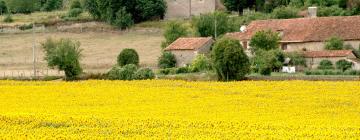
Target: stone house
313, 58
186, 49
305, 34
187, 8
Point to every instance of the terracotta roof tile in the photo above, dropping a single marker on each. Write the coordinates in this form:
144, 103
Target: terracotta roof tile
327, 53
306, 29
189, 43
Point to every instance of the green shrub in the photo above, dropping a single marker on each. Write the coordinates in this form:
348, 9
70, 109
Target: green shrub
51, 5
3, 7
8, 19
76, 4
74, 12
230, 60
144, 74
326, 65
332, 11
268, 61
123, 73
123, 19
26, 27
182, 70
201, 63
165, 71
65, 55
167, 60
334, 43
265, 40
343, 65
296, 59
128, 56
23, 6
285, 13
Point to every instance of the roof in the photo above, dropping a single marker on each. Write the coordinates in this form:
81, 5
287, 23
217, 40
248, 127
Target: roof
306, 29
327, 53
189, 43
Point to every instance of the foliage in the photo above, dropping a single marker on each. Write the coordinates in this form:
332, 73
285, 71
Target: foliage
123, 19
173, 31
76, 4
285, 13
296, 59
250, 16
23, 6
268, 61
150, 9
205, 24
343, 65
8, 19
3, 7
332, 11
127, 72
51, 5
325, 65
230, 60
144, 74
167, 60
264, 40
201, 63
332, 72
139, 10
64, 54
74, 12
334, 43
26, 27
128, 56
236, 5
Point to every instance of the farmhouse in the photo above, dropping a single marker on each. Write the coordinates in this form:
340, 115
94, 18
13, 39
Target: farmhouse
305, 34
186, 49
187, 8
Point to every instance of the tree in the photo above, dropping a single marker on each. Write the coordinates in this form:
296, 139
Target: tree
296, 59
76, 4
123, 19
64, 54
201, 63
51, 5
325, 65
167, 60
92, 7
144, 74
74, 12
173, 31
3, 8
126, 72
285, 13
268, 61
23, 6
128, 56
236, 5
150, 9
334, 43
265, 40
343, 65
205, 24
230, 60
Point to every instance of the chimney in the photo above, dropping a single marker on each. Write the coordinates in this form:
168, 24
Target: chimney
312, 12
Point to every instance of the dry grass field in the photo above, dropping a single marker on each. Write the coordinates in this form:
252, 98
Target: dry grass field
100, 49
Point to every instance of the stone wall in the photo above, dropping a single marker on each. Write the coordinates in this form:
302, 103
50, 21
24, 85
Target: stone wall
181, 8
186, 57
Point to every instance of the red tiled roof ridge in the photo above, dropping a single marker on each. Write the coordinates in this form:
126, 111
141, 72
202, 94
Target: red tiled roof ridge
327, 53
188, 43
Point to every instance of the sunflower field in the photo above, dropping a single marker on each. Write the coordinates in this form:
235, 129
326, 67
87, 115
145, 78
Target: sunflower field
164, 109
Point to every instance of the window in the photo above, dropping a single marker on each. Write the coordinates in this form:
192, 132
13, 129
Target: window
284, 46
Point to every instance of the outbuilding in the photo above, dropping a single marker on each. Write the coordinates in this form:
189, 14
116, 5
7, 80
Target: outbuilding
186, 49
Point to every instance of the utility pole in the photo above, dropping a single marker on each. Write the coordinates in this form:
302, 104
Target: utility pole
34, 50
215, 27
